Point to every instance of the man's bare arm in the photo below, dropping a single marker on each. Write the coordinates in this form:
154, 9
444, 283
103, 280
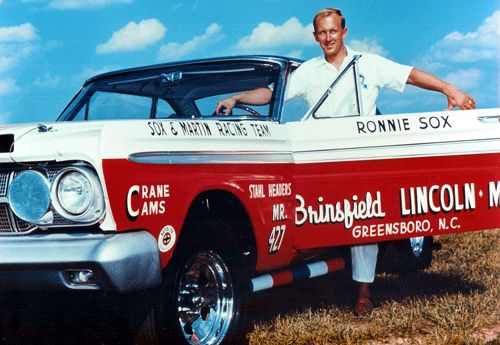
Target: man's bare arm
456, 98
258, 96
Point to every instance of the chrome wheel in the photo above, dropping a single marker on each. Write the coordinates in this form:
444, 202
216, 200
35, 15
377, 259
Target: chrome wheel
417, 245
205, 299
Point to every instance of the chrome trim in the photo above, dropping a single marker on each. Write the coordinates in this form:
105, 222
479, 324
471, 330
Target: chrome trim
123, 262
205, 299
359, 101
95, 211
212, 157
328, 91
417, 246
489, 119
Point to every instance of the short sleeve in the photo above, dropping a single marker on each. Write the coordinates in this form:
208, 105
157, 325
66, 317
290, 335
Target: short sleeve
391, 74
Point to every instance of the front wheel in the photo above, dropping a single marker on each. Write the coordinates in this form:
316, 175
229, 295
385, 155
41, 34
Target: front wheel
201, 300
207, 301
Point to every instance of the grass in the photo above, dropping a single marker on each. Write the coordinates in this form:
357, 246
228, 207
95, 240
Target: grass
456, 301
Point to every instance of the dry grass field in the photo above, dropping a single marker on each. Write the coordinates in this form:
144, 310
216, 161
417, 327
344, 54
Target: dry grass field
456, 301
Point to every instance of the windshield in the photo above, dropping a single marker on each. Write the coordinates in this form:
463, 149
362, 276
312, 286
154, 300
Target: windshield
182, 91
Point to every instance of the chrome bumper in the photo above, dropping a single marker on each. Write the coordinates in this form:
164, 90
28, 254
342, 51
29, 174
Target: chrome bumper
119, 262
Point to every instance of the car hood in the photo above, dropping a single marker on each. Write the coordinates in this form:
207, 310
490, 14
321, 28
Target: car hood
54, 141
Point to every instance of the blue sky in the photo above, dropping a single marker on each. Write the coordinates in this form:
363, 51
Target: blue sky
48, 48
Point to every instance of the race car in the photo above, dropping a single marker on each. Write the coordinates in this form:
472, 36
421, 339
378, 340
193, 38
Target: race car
139, 186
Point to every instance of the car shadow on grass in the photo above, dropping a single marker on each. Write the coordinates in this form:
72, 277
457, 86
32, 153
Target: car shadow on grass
50, 318
337, 290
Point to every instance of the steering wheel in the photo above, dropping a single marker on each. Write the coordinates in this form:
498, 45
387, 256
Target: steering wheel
242, 107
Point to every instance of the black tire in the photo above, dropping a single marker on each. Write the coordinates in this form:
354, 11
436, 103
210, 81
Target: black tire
202, 299
416, 253
405, 255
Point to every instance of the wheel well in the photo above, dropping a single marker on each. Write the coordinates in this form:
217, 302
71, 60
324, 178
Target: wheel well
221, 207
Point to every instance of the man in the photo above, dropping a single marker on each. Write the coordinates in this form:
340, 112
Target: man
312, 79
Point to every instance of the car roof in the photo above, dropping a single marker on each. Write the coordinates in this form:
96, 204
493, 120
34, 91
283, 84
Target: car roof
242, 58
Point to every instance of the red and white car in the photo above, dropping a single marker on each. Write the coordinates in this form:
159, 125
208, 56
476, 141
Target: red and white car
138, 186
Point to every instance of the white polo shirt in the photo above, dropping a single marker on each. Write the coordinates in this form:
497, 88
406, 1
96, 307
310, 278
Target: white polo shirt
314, 76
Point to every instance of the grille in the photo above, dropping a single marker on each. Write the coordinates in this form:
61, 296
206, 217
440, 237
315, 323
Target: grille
4, 178
9, 222
5, 225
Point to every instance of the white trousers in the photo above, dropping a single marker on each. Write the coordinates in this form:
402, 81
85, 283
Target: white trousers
364, 261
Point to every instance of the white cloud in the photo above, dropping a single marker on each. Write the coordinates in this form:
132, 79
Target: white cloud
89, 72
6, 62
21, 33
12, 53
174, 50
16, 43
297, 54
8, 86
47, 81
133, 36
82, 4
465, 79
268, 35
482, 44
368, 45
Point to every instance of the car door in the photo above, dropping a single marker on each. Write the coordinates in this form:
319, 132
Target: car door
361, 179
368, 179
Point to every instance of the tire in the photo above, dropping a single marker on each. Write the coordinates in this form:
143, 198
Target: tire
408, 255
202, 299
417, 253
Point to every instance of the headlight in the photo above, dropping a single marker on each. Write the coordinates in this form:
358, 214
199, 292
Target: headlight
74, 192
77, 195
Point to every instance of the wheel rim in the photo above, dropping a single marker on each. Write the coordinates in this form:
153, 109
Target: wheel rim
417, 245
205, 299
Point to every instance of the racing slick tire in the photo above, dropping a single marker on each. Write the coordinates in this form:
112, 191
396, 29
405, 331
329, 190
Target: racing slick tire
408, 255
202, 299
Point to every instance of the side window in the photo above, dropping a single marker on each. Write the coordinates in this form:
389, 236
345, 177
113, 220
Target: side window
112, 106
207, 105
163, 109
329, 99
294, 109
342, 101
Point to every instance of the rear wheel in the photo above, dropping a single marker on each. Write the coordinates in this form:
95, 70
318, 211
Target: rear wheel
416, 253
408, 255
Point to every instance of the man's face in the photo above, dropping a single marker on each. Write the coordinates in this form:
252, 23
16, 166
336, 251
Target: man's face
330, 35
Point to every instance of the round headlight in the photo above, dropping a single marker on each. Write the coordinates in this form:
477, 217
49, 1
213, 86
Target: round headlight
74, 192
29, 196
77, 195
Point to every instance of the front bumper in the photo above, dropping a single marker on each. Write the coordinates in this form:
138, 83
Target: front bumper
120, 262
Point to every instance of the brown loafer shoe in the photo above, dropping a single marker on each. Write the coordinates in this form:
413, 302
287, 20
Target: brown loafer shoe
364, 307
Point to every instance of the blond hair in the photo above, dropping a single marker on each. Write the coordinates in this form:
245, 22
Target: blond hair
328, 12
